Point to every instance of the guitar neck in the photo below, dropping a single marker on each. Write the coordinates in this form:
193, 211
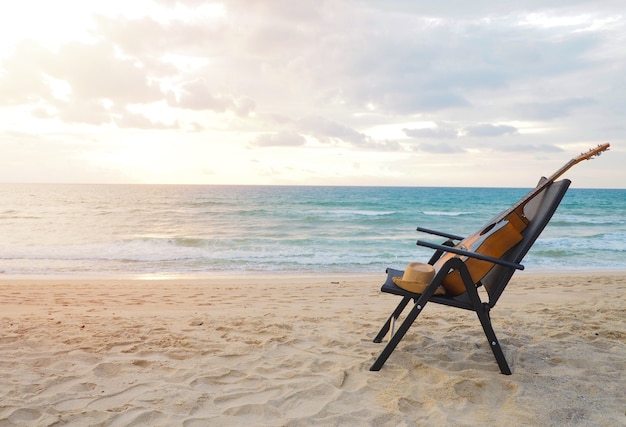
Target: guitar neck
519, 206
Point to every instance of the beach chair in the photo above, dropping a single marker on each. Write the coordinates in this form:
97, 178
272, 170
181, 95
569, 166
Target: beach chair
538, 210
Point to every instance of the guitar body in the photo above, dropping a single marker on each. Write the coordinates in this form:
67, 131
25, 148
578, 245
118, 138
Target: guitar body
495, 240
501, 235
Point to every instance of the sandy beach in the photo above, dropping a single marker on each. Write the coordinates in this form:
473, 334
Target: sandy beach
296, 350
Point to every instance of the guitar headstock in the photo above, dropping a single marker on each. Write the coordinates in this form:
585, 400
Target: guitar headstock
596, 151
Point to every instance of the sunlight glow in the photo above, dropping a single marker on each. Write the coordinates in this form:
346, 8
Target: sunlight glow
165, 91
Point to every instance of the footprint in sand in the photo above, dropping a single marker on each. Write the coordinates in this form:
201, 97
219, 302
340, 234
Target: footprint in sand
107, 370
24, 414
480, 392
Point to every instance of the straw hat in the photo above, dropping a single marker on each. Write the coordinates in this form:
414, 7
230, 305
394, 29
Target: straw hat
417, 277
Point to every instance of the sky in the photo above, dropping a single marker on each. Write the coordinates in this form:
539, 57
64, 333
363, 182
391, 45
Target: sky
326, 92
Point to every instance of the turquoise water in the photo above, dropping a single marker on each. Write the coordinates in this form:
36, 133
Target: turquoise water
188, 230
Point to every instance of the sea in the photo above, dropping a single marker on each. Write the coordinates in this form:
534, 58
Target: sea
194, 230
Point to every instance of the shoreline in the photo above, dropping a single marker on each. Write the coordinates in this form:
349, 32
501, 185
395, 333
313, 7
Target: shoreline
266, 276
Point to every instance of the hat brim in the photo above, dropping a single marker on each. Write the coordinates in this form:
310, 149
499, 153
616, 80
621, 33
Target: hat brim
416, 287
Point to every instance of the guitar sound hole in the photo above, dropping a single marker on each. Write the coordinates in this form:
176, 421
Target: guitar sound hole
487, 229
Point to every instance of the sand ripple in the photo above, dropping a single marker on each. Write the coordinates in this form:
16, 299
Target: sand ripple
298, 354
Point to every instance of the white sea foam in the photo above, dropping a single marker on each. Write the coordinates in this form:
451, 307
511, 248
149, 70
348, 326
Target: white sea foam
447, 213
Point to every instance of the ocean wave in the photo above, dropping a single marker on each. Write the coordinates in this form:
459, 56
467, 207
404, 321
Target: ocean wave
358, 213
584, 221
253, 212
186, 255
447, 213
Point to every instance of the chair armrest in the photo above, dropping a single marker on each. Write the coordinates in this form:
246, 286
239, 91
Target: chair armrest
439, 233
470, 254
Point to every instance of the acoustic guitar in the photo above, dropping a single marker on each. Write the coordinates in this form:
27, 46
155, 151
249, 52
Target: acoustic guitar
501, 234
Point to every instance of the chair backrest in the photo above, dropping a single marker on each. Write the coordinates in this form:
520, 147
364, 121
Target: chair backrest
539, 211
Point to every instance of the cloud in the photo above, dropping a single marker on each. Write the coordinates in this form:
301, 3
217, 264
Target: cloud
439, 148
331, 132
530, 148
92, 112
129, 120
440, 131
95, 71
21, 80
198, 96
93, 74
448, 131
325, 130
279, 139
147, 39
548, 110
488, 130
406, 62
343, 76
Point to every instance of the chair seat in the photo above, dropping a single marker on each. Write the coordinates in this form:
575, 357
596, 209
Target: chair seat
460, 301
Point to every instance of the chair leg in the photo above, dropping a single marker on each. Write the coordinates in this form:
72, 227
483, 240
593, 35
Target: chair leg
482, 311
397, 337
485, 321
394, 316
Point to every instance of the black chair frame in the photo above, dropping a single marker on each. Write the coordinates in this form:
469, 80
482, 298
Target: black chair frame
540, 212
